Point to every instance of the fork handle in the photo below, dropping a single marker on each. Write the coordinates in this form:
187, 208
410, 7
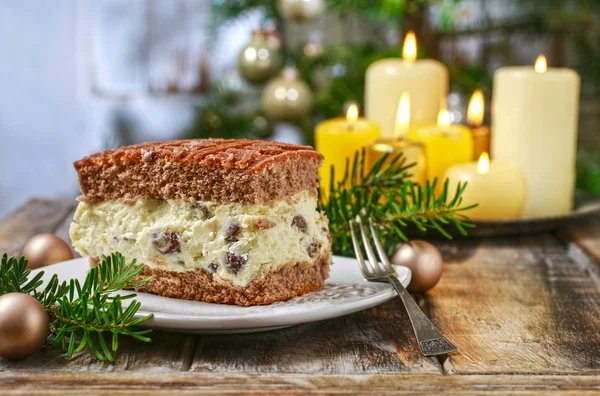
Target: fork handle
431, 342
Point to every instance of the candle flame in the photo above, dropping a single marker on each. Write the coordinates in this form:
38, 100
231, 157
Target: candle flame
483, 165
352, 113
409, 50
443, 118
403, 115
476, 109
540, 64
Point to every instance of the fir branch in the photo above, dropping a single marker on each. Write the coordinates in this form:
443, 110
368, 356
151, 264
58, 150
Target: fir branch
81, 315
385, 194
14, 276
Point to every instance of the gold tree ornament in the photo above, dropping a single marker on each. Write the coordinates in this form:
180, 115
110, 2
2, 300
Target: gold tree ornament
425, 262
46, 249
258, 61
286, 97
313, 48
301, 10
24, 326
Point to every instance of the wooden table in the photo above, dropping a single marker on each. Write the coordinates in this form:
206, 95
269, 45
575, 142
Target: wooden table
524, 312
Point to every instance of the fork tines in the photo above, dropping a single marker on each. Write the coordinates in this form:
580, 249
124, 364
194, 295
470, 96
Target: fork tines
374, 269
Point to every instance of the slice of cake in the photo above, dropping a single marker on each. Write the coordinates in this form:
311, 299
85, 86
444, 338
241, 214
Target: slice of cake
224, 221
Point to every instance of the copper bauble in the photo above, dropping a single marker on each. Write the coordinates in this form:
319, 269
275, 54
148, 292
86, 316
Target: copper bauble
45, 249
301, 10
258, 61
425, 262
286, 98
24, 325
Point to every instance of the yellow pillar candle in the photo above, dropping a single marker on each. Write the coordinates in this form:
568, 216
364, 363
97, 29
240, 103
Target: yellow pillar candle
412, 152
534, 119
446, 144
480, 132
339, 139
425, 80
497, 187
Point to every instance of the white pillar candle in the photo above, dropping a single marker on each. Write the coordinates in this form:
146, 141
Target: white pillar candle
497, 187
426, 81
534, 119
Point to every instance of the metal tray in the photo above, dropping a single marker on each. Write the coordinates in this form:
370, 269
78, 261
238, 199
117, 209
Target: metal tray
585, 204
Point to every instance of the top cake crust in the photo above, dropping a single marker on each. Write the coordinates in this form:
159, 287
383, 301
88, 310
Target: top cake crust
218, 170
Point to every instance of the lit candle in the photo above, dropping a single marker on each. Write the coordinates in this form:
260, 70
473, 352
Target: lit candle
534, 116
497, 187
412, 152
446, 144
426, 81
339, 139
480, 132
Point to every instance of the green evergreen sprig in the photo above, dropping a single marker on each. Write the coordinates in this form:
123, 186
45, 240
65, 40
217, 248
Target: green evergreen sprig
385, 194
81, 315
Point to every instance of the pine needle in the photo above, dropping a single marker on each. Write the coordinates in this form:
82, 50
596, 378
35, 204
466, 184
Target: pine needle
82, 315
385, 194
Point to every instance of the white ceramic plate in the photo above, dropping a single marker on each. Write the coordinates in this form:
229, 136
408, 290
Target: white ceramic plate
345, 292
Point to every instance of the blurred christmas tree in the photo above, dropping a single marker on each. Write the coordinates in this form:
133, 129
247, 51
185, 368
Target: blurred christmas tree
319, 80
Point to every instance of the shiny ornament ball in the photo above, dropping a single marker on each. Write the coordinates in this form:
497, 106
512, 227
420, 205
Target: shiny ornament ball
286, 98
258, 61
313, 48
425, 262
24, 326
232, 86
301, 10
45, 249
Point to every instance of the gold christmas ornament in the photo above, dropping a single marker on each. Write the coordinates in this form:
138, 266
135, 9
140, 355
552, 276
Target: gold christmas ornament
286, 98
45, 249
24, 326
258, 61
313, 48
425, 262
301, 10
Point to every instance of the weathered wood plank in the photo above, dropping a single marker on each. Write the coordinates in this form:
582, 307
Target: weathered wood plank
168, 352
585, 233
518, 305
256, 383
35, 217
376, 340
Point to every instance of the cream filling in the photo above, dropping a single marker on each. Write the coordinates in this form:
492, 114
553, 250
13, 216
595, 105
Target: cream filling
237, 242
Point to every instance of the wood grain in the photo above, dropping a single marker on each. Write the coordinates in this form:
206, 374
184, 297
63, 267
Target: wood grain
518, 305
524, 311
378, 340
168, 352
586, 235
118, 383
35, 217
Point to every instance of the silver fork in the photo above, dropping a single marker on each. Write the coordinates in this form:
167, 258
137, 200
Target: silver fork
431, 342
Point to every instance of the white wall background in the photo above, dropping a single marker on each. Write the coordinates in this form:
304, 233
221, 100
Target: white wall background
72, 72
44, 125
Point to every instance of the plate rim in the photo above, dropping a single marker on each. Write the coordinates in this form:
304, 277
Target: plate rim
195, 323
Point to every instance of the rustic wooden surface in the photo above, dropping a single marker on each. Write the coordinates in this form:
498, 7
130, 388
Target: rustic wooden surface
524, 312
